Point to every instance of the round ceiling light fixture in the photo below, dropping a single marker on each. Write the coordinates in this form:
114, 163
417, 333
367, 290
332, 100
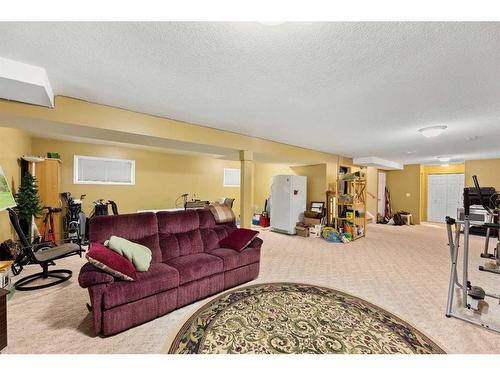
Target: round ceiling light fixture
432, 131
444, 159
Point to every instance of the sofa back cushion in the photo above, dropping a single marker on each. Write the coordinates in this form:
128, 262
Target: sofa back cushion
189, 232
208, 234
179, 233
141, 228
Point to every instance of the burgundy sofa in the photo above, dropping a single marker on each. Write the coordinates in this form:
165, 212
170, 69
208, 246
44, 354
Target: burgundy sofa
187, 265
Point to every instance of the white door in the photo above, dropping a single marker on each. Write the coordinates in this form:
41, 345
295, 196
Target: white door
454, 194
444, 196
381, 194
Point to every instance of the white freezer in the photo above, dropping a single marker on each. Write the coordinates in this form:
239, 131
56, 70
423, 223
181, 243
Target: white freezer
288, 202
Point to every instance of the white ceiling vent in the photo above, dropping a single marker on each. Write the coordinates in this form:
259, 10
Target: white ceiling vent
25, 83
373, 161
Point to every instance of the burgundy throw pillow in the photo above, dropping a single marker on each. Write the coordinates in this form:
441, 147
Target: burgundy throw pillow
239, 239
111, 262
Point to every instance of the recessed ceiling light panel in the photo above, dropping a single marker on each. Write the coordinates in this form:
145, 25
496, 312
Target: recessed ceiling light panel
276, 23
432, 131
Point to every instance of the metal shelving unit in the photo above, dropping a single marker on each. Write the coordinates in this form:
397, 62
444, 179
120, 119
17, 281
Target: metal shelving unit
346, 206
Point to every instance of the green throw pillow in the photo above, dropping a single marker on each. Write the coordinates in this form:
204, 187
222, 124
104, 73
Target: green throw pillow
138, 254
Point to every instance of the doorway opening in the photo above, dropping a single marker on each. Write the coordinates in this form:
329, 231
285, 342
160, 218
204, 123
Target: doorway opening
381, 194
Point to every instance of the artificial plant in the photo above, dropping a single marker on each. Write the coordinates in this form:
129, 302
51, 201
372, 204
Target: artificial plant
28, 203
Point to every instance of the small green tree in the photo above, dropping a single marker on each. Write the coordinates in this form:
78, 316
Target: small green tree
28, 203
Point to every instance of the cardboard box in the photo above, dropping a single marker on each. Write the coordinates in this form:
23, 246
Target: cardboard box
311, 222
5, 279
315, 231
302, 231
5, 265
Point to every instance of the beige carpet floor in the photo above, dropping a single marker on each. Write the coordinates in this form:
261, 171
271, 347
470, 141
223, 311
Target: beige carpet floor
401, 269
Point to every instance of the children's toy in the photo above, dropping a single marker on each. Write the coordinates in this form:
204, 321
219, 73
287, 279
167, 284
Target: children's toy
344, 239
330, 234
347, 228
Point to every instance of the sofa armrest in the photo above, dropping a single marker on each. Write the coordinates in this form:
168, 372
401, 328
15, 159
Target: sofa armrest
90, 275
256, 243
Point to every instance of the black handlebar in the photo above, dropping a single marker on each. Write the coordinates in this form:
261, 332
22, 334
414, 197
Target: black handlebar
476, 184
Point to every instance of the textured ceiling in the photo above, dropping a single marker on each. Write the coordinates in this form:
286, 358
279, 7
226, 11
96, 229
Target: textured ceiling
358, 89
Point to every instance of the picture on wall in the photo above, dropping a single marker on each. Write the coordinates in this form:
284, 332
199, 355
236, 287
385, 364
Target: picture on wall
6, 198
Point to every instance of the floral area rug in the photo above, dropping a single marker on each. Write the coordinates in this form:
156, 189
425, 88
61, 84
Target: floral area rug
296, 318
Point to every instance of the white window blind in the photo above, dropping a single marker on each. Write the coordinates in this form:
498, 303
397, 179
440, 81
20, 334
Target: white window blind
93, 170
231, 177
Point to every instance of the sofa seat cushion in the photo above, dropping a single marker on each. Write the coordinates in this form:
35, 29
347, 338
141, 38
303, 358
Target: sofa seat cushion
158, 278
196, 266
234, 259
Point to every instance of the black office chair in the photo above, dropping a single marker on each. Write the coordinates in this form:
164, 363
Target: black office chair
43, 254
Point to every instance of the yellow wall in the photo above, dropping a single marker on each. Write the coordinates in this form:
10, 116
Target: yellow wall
163, 176
405, 190
160, 177
487, 171
263, 174
434, 169
13, 144
316, 181
401, 182
372, 191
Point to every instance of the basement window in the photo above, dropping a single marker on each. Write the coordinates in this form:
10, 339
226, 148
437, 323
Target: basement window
231, 177
103, 171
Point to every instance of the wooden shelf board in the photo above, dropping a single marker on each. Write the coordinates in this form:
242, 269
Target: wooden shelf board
345, 218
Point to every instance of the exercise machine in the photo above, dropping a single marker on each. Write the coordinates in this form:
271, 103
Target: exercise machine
473, 296
491, 206
101, 208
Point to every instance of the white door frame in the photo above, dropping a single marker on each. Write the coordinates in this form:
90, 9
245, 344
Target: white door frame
381, 184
